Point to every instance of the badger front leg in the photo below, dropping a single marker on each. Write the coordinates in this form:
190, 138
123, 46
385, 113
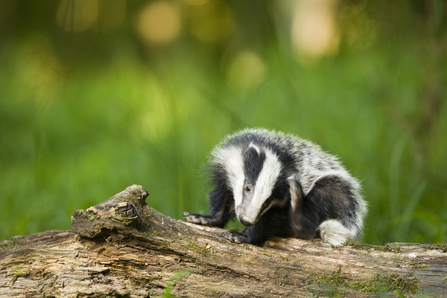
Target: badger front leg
220, 212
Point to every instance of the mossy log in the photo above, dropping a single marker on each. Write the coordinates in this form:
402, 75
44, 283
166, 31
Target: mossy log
122, 247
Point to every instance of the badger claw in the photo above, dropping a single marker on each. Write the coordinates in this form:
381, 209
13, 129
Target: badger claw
197, 218
234, 237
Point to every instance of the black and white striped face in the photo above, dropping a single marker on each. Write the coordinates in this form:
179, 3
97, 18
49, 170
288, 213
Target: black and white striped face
252, 174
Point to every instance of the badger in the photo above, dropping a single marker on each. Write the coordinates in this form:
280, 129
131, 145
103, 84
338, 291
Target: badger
279, 185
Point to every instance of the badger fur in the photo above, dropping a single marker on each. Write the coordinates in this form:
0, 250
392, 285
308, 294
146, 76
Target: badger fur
280, 185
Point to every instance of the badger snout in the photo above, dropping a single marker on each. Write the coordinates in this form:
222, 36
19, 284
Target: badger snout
244, 216
245, 221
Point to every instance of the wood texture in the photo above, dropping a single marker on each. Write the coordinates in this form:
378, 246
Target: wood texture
124, 248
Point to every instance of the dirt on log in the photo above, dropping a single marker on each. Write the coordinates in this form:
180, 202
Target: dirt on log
122, 247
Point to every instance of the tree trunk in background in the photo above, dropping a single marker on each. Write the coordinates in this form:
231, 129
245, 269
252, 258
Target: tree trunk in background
124, 248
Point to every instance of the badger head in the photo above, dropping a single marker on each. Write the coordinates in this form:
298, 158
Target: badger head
254, 174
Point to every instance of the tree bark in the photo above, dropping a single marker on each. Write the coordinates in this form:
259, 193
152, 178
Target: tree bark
124, 248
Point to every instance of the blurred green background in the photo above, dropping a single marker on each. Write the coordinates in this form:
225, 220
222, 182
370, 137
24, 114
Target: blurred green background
97, 95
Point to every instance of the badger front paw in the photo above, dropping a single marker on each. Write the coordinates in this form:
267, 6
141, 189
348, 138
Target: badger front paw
236, 237
199, 219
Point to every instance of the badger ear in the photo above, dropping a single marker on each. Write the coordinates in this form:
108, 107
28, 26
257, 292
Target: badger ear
296, 193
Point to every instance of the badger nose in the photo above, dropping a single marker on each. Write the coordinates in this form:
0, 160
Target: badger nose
245, 222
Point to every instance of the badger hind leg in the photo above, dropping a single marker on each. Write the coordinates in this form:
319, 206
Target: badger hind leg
334, 209
334, 232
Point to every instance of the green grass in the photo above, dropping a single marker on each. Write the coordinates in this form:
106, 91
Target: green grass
69, 140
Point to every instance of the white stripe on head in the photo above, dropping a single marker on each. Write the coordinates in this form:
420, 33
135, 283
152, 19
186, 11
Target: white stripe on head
231, 159
264, 184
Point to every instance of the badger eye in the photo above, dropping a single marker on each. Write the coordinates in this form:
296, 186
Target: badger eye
247, 188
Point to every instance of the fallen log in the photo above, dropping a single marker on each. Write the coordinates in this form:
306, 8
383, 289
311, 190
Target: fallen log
122, 247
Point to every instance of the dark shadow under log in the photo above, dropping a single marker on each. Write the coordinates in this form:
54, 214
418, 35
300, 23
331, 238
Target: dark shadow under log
122, 247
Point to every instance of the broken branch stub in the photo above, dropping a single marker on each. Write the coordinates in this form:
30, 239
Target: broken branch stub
126, 210
128, 213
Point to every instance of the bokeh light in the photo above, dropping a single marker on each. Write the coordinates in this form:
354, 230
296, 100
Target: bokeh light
314, 31
246, 71
159, 22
